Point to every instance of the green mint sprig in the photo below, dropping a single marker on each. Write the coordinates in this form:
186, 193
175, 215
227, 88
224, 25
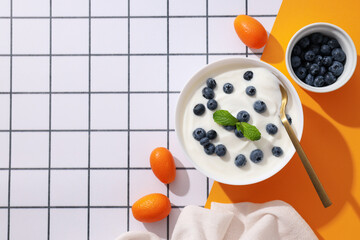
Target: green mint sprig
224, 117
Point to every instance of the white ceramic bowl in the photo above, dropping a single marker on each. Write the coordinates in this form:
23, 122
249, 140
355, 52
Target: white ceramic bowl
346, 44
213, 69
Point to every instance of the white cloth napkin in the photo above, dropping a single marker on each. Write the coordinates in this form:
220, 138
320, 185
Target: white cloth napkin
241, 221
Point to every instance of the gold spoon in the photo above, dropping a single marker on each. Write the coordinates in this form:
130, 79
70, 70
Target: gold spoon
305, 161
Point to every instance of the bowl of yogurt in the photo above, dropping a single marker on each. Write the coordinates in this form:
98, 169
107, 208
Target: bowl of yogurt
249, 90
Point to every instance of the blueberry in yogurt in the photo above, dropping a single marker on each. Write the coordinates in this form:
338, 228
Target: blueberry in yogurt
211, 83
199, 109
208, 93
248, 75
209, 148
256, 155
220, 150
259, 106
238, 133
212, 104
228, 88
204, 141
250, 90
243, 116
199, 133
277, 151
211, 134
271, 129
240, 160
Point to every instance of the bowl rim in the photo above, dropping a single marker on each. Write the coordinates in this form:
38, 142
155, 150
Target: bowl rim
223, 63
298, 35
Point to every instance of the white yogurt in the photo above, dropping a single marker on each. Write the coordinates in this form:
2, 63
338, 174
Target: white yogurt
267, 90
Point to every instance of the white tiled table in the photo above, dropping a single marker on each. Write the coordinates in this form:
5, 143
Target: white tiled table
87, 89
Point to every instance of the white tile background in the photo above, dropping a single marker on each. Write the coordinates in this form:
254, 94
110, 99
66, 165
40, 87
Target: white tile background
84, 101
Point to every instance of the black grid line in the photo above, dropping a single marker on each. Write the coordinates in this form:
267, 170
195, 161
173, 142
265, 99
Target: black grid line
78, 207
10, 120
167, 104
128, 125
86, 168
126, 17
89, 132
50, 109
125, 54
87, 92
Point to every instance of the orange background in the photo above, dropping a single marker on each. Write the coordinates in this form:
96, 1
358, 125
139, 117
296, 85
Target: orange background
331, 136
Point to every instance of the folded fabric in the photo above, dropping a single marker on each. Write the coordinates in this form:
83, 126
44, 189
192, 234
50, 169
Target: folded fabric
239, 221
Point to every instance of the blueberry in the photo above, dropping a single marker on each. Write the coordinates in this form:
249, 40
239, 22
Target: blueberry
289, 118
240, 160
209, 148
211, 134
271, 128
296, 50
338, 55
248, 75
277, 151
309, 80
204, 141
333, 43
314, 69
256, 155
319, 81
199, 109
325, 49
239, 134
199, 133
250, 90
228, 88
212, 104
243, 116
220, 150
259, 106
229, 128
309, 56
322, 71
315, 48
318, 60
327, 61
307, 65
301, 72
336, 68
304, 42
330, 78
325, 40
211, 83
316, 38
295, 61
208, 93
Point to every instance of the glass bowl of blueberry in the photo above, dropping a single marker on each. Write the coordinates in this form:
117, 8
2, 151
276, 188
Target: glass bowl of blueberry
321, 57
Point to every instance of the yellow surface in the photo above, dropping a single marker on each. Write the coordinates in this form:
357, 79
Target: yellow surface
331, 136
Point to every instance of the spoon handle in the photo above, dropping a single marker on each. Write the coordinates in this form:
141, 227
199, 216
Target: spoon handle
310, 171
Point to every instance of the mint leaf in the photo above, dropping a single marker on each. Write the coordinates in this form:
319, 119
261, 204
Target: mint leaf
239, 127
250, 131
223, 117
